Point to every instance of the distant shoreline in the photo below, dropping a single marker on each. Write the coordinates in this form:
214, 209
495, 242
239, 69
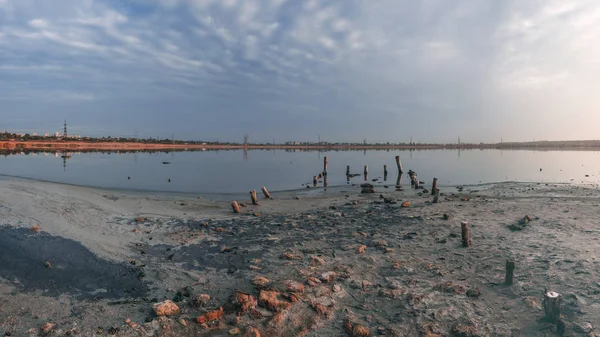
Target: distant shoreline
19, 145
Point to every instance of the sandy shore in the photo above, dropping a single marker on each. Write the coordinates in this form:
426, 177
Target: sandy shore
335, 262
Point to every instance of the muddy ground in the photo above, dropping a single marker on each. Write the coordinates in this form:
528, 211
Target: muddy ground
351, 265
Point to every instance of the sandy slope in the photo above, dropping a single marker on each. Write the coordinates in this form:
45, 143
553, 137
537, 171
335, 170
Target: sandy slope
413, 278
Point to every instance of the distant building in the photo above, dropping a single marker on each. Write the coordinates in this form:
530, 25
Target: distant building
35, 134
47, 134
57, 134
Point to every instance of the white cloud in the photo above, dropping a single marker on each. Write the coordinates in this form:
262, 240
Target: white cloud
38, 23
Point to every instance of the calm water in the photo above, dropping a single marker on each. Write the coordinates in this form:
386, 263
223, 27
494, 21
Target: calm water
236, 171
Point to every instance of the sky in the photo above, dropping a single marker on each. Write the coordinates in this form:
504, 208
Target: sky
341, 70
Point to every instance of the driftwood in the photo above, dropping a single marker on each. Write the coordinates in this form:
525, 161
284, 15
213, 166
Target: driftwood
510, 267
266, 193
236, 207
253, 196
434, 186
399, 164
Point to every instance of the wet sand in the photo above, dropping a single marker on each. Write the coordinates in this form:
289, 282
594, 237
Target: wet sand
362, 260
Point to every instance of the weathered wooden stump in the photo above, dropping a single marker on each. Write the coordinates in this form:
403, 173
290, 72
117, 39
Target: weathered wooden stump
466, 241
436, 196
366, 172
266, 193
315, 181
399, 164
325, 181
236, 207
347, 170
510, 267
325, 162
385, 172
434, 186
553, 306
253, 197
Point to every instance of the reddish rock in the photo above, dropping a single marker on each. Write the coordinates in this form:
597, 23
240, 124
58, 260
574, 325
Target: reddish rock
271, 301
290, 256
215, 315
355, 329
166, 308
405, 204
450, 288
316, 260
295, 287
313, 281
47, 327
201, 300
328, 277
34, 228
320, 309
252, 332
243, 302
361, 249
260, 282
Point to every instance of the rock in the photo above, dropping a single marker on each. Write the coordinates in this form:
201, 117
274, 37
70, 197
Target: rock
243, 302
389, 200
252, 332
445, 216
47, 327
295, 287
313, 281
214, 315
450, 288
328, 277
474, 292
183, 322
367, 190
532, 302
290, 256
234, 332
48, 265
34, 228
361, 249
583, 327
355, 329
316, 260
200, 300
405, 204
271, 301
260, 282
166, 308
379, 243
468, 329
366, 185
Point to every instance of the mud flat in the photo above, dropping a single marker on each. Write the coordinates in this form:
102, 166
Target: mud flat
307, 263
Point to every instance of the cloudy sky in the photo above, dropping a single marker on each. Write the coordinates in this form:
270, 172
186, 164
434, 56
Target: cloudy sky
385, 70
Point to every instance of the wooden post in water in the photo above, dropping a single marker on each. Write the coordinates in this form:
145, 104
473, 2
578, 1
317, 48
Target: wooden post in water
325, 181
434, 186
399, 181
236, 207
253, 196
347, 170
266, 193
510, 267
464, 226
315, 181
399, 164
436, 196
385, 172
366, 172
552, 306
325, 166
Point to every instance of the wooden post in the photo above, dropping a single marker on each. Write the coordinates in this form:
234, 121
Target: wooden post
347, 170
315, 181
436, 196
399, 181
266, 193
325, 181
552, 306
465, 234
366, 172
385, 170
325, 166
434, 186
399, 164
236, 207
253, 196
510, 267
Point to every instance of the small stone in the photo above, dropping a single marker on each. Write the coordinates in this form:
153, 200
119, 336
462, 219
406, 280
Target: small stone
405, 204
252, 332
271, 301
166, 308
379, 243
313, 281
47, 327
316, 260
361, 249
583, 327
473, 292
259, 281
183, 322
243, 302
328, 277
48, 265
234, 332
295, 287
34, 228
532, 302
215, 315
